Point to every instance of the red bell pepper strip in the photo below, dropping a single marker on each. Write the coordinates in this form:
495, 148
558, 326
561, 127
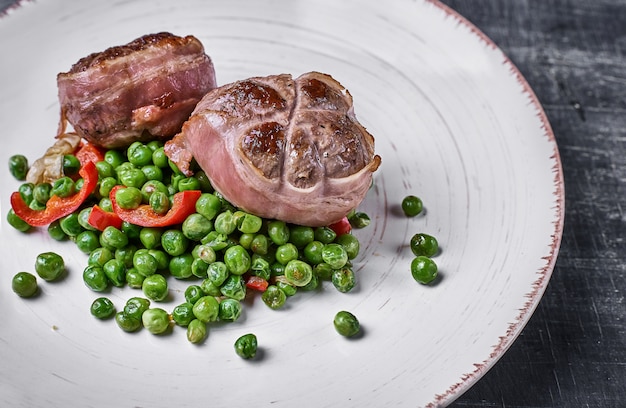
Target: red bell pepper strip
88, 152
341, 227
183, 205
257, 283
57, 207
100, 219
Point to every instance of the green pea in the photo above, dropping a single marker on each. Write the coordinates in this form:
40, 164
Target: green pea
87, 241
156, 320
217, 273
274, 297
183, 314
196, 227
152, 173
152, 186
16, 222
102, 308
259, 244
286, 287
412, 205
83, 219
335, 255
100, 256
343, 279
174, 167
160, 202
246, 346
350, 243
24, 284
105, 204
175, 178
278, 232
114, 158
424, 244
313, 252
78, 184
36, 206
225, 223
301, 236
70, 225
206, 309
132, 177
71, 165
248, 223
193, 293
424, 269
234, 287
323, 271
359, 220
298, 273
215, 240
229, 310
18, 166
174, 242
188, 183
325, 235
105, 170
180, 266
26, 192
128, 198
210, 288
155, 287
206, 253
136, 306
286, 252
134, 279
41, 192
278, 269
199, 268
312, 285
346, 324
150, 237
144, 263
139, 154
237, 260
106, 185
127, 323
95, 278
126, 255
196, 331
261, 268
56, 232
162, 258
115, 271
49, 266
159, 158
208, 205
112, 237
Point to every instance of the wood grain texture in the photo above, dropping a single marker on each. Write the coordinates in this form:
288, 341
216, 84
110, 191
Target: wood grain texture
573, 351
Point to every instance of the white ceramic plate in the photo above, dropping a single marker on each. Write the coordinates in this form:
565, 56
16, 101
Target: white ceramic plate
455, 124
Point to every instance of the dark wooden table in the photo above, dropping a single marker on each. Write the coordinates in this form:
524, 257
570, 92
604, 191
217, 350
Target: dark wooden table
573, 351
573, 54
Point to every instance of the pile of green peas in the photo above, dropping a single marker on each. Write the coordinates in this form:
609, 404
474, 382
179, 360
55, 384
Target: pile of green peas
424, 246
216, 249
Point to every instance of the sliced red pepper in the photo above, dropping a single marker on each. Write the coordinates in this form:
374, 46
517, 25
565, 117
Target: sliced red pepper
257, 283
183, 205
341, 227
57, 207
100, 219
88, 152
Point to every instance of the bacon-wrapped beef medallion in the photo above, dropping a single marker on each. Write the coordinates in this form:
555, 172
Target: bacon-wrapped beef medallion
143, 90
281, 148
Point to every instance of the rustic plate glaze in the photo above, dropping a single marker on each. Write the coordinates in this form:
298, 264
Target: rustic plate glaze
455, 123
